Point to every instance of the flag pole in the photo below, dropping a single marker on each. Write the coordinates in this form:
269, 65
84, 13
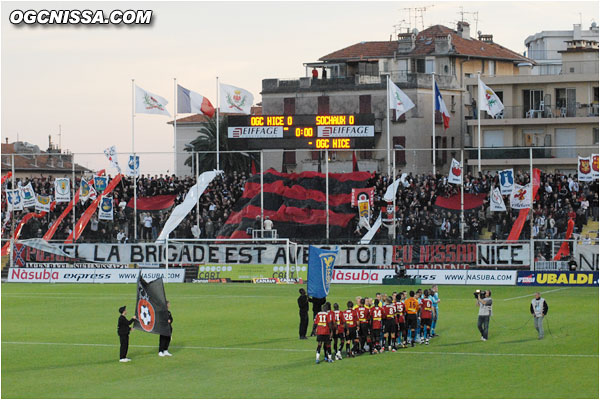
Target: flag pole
433, 118
478, 125
395, 192
175, 124
387, 91
462, 194
73, 189
531, 242
12, 216
327, 193
133, 152
218, 108
197, 156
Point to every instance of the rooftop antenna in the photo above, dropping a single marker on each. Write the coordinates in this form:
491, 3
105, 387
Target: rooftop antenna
59, 137
475, 15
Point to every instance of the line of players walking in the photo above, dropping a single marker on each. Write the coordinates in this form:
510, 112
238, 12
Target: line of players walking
374, 325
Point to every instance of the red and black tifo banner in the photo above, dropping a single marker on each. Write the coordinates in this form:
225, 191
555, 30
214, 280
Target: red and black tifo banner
153, 203
453, 202
296, 204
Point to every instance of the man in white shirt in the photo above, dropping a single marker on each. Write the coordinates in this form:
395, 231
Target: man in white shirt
268, 227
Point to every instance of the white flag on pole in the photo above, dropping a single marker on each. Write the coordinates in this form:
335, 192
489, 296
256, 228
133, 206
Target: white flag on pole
133, 166
105, 211
496, 201
507, 181
454, 176
149, 103
42, 203
234, 100
399, 101
488, 100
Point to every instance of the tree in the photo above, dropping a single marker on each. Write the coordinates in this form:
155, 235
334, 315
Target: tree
206, 142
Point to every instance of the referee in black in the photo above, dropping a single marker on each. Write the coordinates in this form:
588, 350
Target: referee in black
123, 330
164, 341
303, 306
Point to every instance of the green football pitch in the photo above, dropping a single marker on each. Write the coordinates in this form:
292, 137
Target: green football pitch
241, 341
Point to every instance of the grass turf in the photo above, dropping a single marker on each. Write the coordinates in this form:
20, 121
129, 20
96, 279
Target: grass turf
240, 340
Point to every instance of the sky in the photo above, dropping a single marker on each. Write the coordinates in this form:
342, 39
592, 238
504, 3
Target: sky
79, 77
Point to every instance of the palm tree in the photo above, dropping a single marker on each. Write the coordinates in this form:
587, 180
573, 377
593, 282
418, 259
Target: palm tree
206, 141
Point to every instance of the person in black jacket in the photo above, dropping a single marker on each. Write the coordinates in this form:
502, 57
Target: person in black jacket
123, 330
303, 306
164, 341
317, 304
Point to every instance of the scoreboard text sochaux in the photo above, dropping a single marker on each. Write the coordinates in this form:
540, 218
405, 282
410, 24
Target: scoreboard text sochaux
301, 131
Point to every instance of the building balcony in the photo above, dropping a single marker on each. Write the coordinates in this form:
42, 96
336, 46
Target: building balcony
546, 115
565, 157
404, 80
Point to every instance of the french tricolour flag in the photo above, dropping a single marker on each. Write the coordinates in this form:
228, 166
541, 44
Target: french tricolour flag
189, 102
441, 107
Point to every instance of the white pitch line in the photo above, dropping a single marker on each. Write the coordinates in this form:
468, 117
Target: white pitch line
301, 350
529, 295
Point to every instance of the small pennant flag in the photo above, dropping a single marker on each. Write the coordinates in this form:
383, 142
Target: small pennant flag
111, 154
496, 201
454, 176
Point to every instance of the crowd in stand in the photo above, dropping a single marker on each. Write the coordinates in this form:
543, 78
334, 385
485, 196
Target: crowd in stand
214, 209
419, 221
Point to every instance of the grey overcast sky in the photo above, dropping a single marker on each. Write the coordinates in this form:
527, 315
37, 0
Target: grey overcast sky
80, 77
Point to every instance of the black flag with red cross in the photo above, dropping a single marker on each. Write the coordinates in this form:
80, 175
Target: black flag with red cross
151, 307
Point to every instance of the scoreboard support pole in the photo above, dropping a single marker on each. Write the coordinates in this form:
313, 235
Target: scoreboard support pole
262, 204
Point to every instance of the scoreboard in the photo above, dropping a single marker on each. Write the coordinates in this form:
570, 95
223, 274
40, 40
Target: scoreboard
316, 132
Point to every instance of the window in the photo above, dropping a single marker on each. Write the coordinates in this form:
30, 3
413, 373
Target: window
289, 106
399, 148
394, 118
314, 154
421, 65
368, 68
595, 134
565, 137
493, 138
445, 152
491, 68
532, 100
565, 101
289, 157
429, 66
323, 105
364, 104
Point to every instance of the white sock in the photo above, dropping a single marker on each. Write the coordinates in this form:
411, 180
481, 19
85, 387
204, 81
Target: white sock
318, 356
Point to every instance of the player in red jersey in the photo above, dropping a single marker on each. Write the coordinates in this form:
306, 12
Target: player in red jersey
376, 324
401, 319
364, 316
426, 315
351, 320
325, 326
340, 323
389, 325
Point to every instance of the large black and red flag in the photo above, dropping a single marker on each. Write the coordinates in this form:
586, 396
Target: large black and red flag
151, 307
296, 204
